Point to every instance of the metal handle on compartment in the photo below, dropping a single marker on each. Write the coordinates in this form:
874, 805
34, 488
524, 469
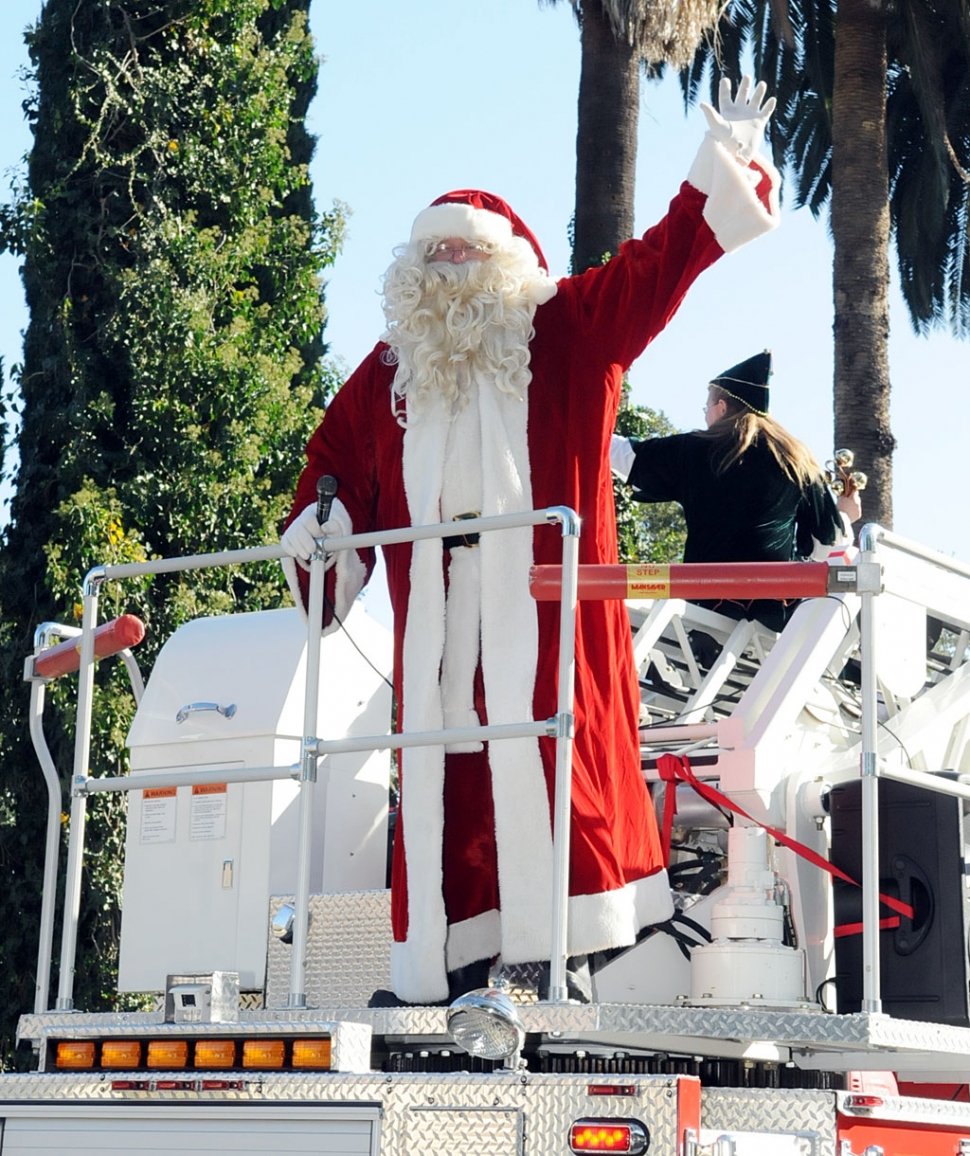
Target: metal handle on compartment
195, 707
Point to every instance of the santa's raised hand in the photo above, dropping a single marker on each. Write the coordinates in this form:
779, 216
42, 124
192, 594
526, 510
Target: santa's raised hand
740, 121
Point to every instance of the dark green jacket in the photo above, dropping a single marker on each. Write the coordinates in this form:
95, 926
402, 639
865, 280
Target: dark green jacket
750, 513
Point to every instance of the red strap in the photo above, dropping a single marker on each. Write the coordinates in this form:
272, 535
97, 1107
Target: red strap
669, 776
844, 929
678, 766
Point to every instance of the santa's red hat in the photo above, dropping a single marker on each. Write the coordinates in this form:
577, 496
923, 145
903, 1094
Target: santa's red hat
473, 215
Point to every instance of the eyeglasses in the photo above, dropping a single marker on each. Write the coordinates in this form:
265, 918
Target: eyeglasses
446, 251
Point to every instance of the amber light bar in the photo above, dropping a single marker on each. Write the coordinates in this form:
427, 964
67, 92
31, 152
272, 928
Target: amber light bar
736, 580
75, 1054
121, 1054
171, 1053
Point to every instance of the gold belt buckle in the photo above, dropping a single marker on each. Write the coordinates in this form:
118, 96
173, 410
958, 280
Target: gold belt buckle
468, 540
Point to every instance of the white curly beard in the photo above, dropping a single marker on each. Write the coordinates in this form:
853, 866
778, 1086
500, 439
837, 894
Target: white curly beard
447, 321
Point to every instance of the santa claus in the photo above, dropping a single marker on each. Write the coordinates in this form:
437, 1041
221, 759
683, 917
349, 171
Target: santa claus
494, 390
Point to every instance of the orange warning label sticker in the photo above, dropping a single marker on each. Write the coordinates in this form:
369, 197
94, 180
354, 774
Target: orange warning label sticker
159, 792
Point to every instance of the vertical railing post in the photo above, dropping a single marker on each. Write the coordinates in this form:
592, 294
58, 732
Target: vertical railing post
82, 757
869, 769
51, 846
565, 729
308, 780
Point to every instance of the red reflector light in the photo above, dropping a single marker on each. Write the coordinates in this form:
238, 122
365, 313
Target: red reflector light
863, 1103
599, 1138
130, 1085
611, 1090
609, 1136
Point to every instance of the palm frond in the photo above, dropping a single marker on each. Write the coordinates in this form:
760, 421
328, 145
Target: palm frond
930, 191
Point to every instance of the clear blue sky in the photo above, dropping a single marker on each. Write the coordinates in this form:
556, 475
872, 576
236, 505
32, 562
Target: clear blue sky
417, 98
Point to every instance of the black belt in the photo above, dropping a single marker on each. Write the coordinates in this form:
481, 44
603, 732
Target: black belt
457, 540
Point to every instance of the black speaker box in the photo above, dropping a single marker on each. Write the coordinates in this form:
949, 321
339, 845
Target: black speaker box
923, 861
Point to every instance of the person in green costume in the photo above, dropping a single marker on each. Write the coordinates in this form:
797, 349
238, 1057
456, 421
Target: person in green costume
750, 491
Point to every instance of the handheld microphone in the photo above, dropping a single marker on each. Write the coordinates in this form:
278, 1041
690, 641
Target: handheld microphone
326, 492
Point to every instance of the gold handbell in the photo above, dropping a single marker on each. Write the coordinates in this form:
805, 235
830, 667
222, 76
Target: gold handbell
837, 468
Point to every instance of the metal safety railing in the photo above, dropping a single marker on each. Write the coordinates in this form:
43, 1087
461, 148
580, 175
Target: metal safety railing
43, 636
863, 577
872, 768
560, 727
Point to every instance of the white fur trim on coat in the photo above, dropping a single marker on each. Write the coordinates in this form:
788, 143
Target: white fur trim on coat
477, 938
613, 918
595, 922
454, 220
509, 656
733, 210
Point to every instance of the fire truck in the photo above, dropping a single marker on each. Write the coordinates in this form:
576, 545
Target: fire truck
810, 995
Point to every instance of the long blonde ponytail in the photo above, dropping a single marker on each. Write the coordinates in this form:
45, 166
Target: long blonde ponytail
741, 428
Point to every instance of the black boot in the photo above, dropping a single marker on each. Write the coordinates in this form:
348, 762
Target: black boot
382, 998
465, 979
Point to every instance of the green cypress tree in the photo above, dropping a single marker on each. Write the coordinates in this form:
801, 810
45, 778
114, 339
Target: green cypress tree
172, 372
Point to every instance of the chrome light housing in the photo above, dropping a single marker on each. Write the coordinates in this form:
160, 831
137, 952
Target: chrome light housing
485, 1023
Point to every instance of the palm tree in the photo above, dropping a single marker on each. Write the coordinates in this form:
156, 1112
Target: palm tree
616, 36
874, 119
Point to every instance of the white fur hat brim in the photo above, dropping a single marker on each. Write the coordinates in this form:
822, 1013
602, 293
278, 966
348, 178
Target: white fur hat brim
456, 220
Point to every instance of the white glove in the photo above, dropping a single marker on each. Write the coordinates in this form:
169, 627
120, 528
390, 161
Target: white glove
741, 120
622, 456
299, 539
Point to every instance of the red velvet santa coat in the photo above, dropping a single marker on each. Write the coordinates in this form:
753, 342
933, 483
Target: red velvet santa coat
472, 859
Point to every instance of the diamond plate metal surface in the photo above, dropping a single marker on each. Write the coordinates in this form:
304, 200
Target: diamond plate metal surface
813, 1040
464, 1131
522, 980
348, 950
808, 1115
457, 1115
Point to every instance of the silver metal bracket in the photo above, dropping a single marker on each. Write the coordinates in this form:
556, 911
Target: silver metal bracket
869, 762
563, 725
859, 578
308, 761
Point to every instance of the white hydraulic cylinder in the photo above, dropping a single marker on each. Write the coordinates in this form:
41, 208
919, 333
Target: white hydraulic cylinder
748, 962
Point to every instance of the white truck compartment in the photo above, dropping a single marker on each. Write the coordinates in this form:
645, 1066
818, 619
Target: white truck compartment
201, 861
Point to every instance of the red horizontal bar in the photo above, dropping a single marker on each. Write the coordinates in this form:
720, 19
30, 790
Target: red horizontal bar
113, 636
736, 580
